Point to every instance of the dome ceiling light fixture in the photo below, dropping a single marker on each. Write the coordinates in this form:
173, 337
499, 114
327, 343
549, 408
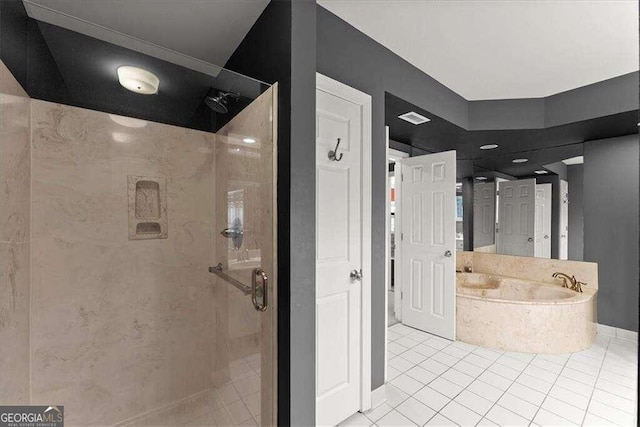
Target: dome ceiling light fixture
138, 80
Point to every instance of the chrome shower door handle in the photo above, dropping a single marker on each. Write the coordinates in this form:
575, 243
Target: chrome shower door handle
447, 254
259, 291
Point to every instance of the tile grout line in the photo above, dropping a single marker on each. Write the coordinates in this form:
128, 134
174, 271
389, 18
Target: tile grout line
424, 385
604, 403
546, 395
586, 411
505, 392
563, 365
476, 378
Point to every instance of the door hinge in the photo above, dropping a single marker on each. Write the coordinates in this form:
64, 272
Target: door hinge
401, 236
401, 177
401, 295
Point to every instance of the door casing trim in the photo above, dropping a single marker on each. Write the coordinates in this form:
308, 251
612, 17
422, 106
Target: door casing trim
348, 93
390, 152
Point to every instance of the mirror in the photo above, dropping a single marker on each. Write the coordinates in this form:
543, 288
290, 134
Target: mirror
520, 191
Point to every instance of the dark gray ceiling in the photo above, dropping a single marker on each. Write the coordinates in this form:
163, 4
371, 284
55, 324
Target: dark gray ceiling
197, 34
540, 146
64, 66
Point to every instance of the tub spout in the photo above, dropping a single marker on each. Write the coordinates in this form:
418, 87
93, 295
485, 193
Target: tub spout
569, 280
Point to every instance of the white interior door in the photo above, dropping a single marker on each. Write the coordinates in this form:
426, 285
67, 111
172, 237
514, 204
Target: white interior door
341, 212
517, 212
564, 219
542, 238
484, 214
428, 239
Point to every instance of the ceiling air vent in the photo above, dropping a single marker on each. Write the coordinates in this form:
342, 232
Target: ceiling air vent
414, 118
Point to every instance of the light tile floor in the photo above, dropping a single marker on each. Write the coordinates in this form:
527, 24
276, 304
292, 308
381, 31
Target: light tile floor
236, 403
437, 382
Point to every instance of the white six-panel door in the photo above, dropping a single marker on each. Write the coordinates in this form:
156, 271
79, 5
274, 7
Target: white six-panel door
542, 239
516, 212
484, 214
340, 228
428, 243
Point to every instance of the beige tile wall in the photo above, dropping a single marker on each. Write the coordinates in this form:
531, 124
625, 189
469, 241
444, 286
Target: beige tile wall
122, 327
14, 240
119, 326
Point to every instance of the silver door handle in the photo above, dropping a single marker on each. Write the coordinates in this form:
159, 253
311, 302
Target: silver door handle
447, 254
546, 237
259, 291
530, 239
356, 275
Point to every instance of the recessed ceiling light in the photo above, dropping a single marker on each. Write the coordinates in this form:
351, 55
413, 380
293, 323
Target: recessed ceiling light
138, 80
481, 178
519, 160
249, 140
488, 146
540, 172
414, 118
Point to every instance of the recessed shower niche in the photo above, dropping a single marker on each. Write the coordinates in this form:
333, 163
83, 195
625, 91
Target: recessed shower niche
147, 207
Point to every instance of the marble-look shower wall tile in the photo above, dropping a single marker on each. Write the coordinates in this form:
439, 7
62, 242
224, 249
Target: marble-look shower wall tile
8, 83
14, 240
14, 323
538, 269
120, 327
14, 159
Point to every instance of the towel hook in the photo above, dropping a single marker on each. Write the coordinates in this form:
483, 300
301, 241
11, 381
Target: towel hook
333, 154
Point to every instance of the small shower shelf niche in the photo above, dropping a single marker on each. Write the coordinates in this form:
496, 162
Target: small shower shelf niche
147, 197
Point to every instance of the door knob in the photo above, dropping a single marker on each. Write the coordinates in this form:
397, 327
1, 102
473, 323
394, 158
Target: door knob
546, 237
447, 254
530, 239
356, 275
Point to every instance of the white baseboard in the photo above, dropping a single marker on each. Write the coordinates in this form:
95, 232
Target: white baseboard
378, 396
620, 333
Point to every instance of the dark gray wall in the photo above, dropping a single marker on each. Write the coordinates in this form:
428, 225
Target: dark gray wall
611, 181
576, 216
600, 99
559, 168
506, 114
597, 100
347, 55
303, 210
